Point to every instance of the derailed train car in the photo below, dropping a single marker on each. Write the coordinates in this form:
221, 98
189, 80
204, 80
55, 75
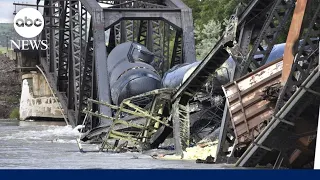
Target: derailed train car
207, 106
131, 74
130, 71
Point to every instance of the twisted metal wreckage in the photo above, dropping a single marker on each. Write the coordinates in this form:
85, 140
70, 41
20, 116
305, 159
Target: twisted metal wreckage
135, 91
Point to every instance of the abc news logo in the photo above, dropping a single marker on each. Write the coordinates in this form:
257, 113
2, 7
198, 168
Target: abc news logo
29, 23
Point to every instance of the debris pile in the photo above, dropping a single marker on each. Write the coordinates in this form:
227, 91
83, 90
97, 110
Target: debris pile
203, 152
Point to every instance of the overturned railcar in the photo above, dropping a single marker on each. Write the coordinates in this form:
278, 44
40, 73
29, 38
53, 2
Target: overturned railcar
130, 72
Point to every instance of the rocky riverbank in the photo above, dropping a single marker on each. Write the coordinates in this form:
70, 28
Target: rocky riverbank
10, 88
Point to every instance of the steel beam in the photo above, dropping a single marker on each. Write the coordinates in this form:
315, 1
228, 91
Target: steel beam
166, 47
269, 33
188, 43
225, 122
142, 32
293, 38
69, 57
100, 55
87, 77
174, 13
305, 56
62, 80
75, 42
276, 131
113, 16
56, 12
177, 50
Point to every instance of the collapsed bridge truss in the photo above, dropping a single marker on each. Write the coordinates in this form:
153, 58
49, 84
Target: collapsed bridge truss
80, 34
75, 62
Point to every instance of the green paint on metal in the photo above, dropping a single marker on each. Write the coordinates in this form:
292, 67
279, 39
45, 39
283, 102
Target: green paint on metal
124, 131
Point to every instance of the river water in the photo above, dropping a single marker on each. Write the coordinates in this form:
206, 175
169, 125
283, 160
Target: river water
44, 145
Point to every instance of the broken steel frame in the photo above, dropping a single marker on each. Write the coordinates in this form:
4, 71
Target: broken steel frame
67, 51
144, 23
260, 26
239, 33
127, 128
251, 27
303, 75
274, 136
305, 55
75, 62
293, 38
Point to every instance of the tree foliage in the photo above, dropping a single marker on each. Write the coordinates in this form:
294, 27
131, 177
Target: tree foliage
206, 10
207, 37
209, 17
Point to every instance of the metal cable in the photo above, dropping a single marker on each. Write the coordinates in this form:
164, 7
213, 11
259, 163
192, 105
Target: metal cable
57, 100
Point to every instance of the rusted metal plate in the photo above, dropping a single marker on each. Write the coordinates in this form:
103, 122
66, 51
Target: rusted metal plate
248, 110
292, 39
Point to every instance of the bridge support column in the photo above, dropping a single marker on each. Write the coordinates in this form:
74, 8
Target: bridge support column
37, 101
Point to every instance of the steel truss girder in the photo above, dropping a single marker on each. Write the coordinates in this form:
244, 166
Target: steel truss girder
138, 4
66, 55
260, 22
62, 80
78, 29
69, 57
75, 53
268, 35
276, 136
155, 35
177, 50
306, 57
113, 16
87, 77
129, 26
181, 126
101, 79
294, 96
124, 31
56, 12
173, 16
55, 62
51, 34
166, 47
154, 44
139, 125
117, 34
142, 32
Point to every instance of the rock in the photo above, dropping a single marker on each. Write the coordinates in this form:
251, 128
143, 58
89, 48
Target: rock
209, 160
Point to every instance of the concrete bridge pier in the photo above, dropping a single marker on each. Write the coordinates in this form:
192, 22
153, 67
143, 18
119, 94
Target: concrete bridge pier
37, 101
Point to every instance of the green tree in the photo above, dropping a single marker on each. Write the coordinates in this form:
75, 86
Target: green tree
209, 17
207, 37
205, 10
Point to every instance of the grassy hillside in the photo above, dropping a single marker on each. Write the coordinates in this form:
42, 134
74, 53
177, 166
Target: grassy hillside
3, 50
7, 32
